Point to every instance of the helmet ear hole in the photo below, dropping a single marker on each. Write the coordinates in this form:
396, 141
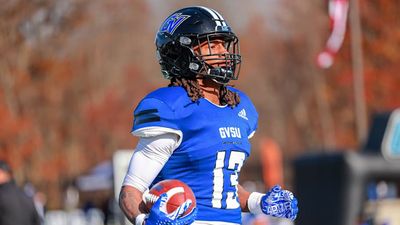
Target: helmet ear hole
176, 59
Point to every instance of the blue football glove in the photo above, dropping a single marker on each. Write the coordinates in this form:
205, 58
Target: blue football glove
279, 203
159, 216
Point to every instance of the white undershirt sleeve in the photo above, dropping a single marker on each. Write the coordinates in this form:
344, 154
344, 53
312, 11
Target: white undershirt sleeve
149, 158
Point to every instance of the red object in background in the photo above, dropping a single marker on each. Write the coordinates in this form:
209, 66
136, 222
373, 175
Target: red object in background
178, 193
272, 164
338, 10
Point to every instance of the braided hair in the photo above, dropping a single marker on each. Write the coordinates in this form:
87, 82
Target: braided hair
194, 91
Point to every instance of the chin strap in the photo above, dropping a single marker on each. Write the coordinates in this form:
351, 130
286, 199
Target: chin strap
220, 75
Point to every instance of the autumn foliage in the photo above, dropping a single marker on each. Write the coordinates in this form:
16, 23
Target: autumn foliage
71, 73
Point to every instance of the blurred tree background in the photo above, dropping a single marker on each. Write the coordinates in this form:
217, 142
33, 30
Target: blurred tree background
72, 71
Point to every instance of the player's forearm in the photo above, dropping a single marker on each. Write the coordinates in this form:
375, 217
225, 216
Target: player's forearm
130, 200
243, 197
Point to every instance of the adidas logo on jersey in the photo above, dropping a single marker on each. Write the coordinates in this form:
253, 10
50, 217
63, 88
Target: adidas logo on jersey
242, 114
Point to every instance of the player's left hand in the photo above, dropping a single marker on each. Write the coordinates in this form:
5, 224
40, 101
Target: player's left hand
279, 203
159, 216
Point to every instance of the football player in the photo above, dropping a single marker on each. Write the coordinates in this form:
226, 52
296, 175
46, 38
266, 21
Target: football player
197, 129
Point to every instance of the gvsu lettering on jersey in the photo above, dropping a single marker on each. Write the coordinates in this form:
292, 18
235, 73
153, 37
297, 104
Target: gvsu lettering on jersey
173, 22
230, 132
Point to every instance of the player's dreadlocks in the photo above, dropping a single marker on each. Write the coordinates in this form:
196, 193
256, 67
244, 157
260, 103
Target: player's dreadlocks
194, 91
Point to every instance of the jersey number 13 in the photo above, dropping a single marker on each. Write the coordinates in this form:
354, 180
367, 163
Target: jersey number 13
234, 164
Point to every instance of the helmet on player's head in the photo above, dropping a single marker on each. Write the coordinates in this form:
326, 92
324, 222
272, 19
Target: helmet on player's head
190, 27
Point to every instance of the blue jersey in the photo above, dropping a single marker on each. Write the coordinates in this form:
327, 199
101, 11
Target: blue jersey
214, 145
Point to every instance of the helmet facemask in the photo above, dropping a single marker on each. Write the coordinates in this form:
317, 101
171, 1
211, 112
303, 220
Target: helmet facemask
181, 60
221, 67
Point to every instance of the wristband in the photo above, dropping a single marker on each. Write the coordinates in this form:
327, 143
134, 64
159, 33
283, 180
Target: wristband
253, 203
139, 220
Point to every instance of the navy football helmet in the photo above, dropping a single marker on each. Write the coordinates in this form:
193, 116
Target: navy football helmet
187, 28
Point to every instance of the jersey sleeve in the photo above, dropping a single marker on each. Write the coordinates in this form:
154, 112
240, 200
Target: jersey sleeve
252, 115
154, 117
253, 123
